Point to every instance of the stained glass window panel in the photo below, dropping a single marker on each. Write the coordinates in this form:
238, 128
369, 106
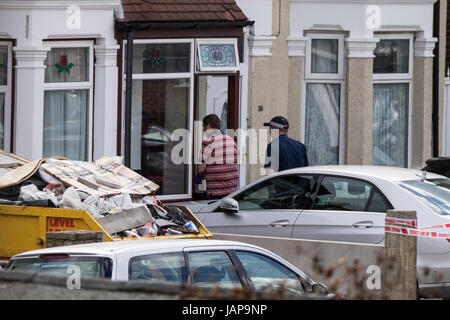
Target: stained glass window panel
217, 55
67, 65
161, 58
3, 65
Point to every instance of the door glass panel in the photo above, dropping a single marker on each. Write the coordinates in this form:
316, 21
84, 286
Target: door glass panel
159, 108
342, 194
3, 65
265, 272
286, 192
161, 58
66, 124
390, 124
163, 267
322, 123
214, 267
212, 98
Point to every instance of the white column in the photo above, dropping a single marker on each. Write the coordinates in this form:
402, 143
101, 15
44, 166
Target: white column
105, 101
359, 97
29, 103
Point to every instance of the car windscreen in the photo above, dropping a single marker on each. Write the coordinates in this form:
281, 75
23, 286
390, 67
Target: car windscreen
434, 192
63, 265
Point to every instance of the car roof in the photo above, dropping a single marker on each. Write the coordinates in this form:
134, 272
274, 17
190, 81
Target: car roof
380, 172
118, 247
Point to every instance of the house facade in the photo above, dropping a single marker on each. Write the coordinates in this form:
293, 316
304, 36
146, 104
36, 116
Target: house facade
354, 78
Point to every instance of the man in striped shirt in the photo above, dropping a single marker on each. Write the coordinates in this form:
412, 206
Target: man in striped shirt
219, 160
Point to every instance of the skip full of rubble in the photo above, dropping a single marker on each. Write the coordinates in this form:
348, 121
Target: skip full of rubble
121, 200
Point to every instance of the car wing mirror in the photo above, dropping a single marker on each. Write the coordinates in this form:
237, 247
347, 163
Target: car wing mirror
320, 289
229, 205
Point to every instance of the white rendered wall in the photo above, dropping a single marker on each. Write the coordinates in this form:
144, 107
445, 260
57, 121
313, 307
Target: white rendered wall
32, 21
259, 11
352, 16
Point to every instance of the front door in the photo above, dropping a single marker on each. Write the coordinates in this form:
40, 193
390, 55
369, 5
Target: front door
216, 94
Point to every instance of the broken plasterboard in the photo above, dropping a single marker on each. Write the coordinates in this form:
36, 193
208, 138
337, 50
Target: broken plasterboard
104, 169
126, 219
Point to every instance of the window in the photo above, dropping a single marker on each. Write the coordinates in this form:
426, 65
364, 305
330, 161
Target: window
217, 55
391, 100
323, 102
265, 272
285, 192
68, 100
161, 58
214, 267
163, 267
5, 94
162, 104
90, 267
324, 99
378, 203
434, 192
324, 55
342, 194
391, 56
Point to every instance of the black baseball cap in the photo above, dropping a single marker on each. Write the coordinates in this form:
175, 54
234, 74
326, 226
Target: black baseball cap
278, 122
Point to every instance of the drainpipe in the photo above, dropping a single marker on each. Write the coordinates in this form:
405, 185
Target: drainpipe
128, 96
436, 84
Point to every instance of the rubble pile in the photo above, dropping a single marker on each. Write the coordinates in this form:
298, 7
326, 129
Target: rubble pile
121, 200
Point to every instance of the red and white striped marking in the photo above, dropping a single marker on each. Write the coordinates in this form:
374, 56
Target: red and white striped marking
403, 222
416, 233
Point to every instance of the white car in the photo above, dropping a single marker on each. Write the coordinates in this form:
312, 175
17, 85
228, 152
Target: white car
340, 203
197, 261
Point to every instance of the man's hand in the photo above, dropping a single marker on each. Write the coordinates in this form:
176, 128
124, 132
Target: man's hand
201, 168
269, 171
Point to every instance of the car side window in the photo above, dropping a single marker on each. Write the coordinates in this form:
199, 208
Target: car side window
283, 192
162, 266
213, 267
378, 203
342, 194
265, 272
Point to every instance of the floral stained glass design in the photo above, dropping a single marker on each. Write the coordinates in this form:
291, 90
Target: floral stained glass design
64, 65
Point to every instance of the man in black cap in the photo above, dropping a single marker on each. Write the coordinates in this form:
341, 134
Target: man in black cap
283, 152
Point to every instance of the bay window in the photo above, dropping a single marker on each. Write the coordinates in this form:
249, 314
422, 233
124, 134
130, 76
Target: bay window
391, 99
68, 100
5, 94
163, 73
324, 99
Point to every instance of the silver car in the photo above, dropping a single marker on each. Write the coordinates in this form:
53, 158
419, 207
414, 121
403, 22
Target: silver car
339, 203
229, 264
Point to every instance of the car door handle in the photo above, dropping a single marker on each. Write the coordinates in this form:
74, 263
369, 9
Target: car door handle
279, 224
363, 224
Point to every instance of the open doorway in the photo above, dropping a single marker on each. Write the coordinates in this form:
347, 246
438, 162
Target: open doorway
215, 94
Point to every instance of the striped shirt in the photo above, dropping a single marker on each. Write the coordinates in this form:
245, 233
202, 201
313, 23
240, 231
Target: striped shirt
219, 153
